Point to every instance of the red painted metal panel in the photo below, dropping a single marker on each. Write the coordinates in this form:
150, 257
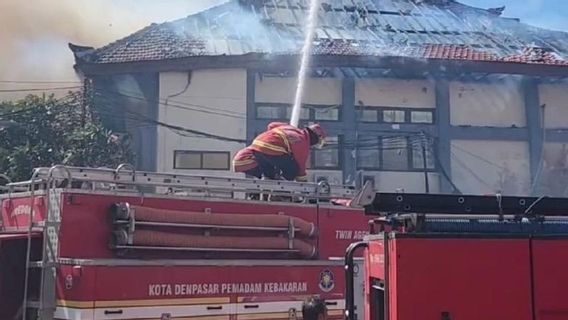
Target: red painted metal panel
16, 212
550, 265
75, 283
470, 279
88, 212
339, 227
250, 283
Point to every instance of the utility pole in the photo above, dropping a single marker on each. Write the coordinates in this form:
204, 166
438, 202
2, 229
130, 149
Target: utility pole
425, 163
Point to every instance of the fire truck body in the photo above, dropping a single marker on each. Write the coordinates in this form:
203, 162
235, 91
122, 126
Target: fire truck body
465, 258
99, 277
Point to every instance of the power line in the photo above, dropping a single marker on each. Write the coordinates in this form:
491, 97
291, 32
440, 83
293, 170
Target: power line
179, 105
39, 89
37, 82
144, 118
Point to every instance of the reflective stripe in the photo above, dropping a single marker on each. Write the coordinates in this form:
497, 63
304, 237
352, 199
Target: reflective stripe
284, 138
243, 162
269, 146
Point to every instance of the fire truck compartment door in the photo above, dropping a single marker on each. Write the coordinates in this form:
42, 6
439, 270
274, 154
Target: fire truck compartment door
550, 278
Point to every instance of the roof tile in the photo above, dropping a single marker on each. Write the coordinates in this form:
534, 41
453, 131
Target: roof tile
438, 29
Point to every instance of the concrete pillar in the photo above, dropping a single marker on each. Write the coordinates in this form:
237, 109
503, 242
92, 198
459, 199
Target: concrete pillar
534, 116
443, 148
349, 119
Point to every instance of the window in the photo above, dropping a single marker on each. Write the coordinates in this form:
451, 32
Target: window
304, 113
329, 156
394, 153
369, 115
326, 113
393, 116
268, 112
282, 111
208, 160
421, 117
418, 155
368, 156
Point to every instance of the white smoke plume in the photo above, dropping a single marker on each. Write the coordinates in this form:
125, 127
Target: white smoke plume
34, 33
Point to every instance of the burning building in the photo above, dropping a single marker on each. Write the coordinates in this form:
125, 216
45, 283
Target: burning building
428, 95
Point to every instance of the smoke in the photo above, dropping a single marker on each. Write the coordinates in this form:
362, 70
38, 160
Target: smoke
35, 34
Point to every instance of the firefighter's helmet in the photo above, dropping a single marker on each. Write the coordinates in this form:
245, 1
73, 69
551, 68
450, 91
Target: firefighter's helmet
318, 130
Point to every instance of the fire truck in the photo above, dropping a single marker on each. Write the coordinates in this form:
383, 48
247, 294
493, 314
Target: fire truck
456, 257
87, 243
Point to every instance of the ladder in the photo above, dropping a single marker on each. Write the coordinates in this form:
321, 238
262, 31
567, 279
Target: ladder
125, 176
57, 178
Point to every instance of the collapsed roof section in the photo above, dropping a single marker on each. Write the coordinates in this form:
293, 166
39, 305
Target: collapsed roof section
422, 29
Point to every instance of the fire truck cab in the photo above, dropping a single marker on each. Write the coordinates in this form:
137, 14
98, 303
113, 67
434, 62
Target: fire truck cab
456, 257
85, 243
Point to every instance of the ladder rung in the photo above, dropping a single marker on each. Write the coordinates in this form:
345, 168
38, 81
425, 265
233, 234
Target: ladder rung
36, 264
210, 183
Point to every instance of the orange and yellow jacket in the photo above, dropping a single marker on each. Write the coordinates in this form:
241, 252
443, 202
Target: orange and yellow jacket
284, 139
244, 160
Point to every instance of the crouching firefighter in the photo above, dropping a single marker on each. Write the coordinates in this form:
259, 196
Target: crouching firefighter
280, 151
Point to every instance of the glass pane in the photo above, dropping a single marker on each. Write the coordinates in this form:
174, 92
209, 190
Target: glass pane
187, 160
369, 115
331, 113
395, 153
304, 113
216, 160
417, 153
368, 152
268, 112
328, 157
421, 117
393, 116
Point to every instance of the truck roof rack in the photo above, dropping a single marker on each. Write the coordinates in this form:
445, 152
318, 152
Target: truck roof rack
125, 176
384, 204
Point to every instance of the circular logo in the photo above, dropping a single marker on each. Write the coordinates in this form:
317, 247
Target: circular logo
326, 281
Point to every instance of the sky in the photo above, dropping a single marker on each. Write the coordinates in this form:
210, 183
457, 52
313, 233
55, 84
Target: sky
35, 33
549, 14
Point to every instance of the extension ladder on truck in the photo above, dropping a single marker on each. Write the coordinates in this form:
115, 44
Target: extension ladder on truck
57, 178
468, 224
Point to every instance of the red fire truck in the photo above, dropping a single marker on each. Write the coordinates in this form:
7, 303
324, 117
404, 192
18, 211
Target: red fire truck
455, 257
83, 243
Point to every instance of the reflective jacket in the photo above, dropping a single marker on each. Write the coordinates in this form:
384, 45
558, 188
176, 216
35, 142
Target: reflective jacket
281, 139
244, 160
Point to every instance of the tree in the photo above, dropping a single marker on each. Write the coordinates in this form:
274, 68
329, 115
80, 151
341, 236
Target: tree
42, 131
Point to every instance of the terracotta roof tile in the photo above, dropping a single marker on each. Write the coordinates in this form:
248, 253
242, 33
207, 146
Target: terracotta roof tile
433, 29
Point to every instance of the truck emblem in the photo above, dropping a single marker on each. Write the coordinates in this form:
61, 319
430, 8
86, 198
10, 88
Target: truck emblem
326, 281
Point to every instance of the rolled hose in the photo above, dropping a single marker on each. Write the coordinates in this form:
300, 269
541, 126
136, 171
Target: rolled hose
167, 239
125, 211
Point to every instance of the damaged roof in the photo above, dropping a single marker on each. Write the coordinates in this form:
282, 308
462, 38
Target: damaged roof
426, 29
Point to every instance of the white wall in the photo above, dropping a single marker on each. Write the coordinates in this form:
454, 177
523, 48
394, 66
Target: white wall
485, 167
491, 105
323, 91
395, 93
555, 96
222, 89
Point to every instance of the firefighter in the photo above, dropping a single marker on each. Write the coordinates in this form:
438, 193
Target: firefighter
281, 150
245, 161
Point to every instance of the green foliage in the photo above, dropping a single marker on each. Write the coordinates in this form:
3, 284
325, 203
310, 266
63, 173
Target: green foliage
44, 131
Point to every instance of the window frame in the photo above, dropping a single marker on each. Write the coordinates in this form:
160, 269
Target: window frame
339, 165
201, 153
283, 109
409, 156
407, 114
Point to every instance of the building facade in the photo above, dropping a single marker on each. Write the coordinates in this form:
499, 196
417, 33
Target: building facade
449, 110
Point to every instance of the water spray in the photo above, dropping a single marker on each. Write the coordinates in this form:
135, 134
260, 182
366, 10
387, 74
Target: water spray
306, 54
